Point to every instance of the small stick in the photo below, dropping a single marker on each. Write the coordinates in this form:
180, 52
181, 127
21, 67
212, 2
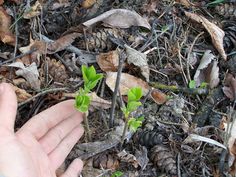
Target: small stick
173, 88
86, 127
40, 94
188, 57
121, 61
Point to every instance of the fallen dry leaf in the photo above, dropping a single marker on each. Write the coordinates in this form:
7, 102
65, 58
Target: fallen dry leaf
121, 18
216, 33
139, 59
1, 2
185, 3
127, 82
41, 47
30, 73
6, 36
230, 87
207, 71
158, 96
33, 11
108, 61
88, 3
21, 94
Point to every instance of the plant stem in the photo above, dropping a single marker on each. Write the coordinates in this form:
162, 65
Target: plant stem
124, 130
86, 126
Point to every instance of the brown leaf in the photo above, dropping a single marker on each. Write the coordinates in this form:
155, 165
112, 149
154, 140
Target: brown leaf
21, 94
158, 96
108, 61
98, 102
1, 2
121, 18
185, 3
127, 82
207, 71
33, 11
88, 3
30, 73
230, 87
216, 33
42, 48
139, 59
6, 35
128, 158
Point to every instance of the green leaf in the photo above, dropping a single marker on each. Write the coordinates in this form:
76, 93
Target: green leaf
134, 94
82, 102
216, 2
192, 84
117, 174
84, 73
134, 124
203, 85
133, 105
91, 73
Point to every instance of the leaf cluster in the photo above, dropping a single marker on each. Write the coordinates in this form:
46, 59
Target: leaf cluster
134, 95
91, 78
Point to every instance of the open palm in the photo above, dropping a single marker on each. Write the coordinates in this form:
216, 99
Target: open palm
42, 144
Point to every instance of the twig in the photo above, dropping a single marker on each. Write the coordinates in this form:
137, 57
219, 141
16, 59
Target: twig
189, 53
120, 67
40, 94
19, 56
174, 88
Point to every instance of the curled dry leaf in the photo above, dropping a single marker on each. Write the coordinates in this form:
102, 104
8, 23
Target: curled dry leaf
121, 18
41, 47
207, 71
128, 81
88, 3
21, 94
139, 59
30, 73
6, 35
230, 87
33, 11
216, 33
108, 61
158, 96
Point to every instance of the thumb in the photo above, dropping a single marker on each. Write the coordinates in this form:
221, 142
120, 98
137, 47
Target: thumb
8, 106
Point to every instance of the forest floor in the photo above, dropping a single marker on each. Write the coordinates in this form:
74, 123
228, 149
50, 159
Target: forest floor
181, 53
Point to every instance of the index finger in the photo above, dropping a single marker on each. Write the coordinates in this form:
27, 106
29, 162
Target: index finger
41, 123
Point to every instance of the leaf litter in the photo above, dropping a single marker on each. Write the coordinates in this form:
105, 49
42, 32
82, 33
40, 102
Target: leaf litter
45, 43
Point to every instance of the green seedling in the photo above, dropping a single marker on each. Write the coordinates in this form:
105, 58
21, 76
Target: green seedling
134, 95
117, 174
82, 99
192, 84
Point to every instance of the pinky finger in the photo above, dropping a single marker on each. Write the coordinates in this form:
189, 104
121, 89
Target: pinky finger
74, 169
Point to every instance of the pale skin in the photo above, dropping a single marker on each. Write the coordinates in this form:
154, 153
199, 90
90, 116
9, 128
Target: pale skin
40, 146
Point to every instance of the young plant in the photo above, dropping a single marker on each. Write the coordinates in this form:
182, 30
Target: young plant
134, 95
82, 99
117, 174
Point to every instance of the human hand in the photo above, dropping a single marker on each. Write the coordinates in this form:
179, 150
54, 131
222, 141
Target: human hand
42, 144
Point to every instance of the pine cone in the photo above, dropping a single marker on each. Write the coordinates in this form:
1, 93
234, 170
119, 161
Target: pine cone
163, 158
149, 138
99, 41
228, 10
56, 70
106, 161
230, 35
